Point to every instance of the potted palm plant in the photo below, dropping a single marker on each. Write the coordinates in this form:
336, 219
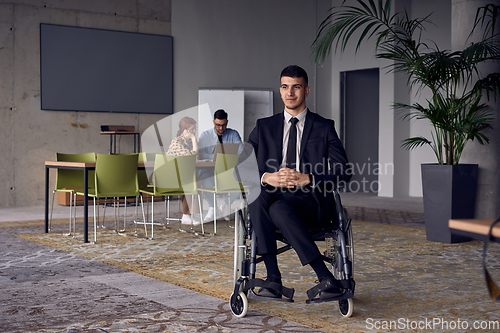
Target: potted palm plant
456, 110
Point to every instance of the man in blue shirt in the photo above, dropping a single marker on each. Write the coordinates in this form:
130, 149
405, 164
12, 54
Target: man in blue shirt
207, 143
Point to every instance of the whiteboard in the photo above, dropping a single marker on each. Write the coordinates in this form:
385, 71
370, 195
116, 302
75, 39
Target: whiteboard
231, 101
243, 106
258, 104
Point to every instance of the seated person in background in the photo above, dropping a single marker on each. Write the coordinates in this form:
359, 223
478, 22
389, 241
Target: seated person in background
208, 141
185, 144
300, 160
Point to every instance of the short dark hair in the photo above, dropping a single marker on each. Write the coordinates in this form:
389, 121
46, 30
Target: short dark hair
296, 72
220, 114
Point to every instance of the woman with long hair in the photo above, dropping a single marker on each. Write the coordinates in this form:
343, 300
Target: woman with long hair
185, 144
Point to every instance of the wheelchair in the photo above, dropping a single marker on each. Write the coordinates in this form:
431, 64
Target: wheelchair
339, 254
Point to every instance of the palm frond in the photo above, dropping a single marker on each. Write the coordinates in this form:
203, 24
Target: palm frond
490, 83
486, 18
415, 142
343, 21
483, 50
414, 111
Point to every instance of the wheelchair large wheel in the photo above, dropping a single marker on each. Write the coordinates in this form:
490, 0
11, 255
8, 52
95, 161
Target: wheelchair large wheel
346, 307
349, 242
339, 271
239, 304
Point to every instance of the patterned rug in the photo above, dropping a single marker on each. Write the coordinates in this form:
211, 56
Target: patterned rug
402, 280
387, 216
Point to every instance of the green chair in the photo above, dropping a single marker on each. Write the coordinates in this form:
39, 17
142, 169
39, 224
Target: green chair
142, 179
172, 176
145, 179
115, 177
68, 180
142, 174
224, 180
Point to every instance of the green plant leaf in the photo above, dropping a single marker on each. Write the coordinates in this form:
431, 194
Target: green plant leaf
415, 142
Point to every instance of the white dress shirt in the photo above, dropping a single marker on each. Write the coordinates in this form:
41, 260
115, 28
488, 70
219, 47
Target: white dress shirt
286, 131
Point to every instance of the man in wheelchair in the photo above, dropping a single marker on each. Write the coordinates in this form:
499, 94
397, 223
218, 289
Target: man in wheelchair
300, 159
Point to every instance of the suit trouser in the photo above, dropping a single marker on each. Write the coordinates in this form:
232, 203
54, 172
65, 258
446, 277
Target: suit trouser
293, 213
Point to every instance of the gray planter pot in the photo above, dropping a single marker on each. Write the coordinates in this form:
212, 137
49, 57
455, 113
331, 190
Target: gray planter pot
449, 193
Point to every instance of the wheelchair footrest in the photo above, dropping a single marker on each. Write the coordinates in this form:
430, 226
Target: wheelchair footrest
254, 296
254, 283
347, 295
347, 285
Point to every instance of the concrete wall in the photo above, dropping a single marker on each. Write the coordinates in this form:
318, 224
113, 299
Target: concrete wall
246, 44
487, 156
28, 135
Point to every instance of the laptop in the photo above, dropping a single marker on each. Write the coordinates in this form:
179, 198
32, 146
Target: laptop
226, 148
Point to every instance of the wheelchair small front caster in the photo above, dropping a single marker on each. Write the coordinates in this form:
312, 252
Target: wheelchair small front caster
239, 304
346, 307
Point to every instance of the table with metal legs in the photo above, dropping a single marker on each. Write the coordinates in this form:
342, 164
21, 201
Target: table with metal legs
85, 166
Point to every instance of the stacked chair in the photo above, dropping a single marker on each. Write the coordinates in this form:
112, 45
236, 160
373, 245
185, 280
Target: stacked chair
224, 180
172, 176
115, 177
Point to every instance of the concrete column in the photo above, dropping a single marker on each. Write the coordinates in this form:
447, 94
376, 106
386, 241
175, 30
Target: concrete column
487, 156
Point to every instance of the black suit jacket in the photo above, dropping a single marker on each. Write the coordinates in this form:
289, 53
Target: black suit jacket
321, 154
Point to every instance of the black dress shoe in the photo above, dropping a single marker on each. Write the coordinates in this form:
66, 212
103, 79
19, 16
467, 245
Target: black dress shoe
330, 289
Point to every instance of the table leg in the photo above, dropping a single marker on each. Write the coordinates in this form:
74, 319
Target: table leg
110, 143
85, 205
47, 199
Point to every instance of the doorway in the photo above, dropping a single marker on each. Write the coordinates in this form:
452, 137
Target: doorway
359, 127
